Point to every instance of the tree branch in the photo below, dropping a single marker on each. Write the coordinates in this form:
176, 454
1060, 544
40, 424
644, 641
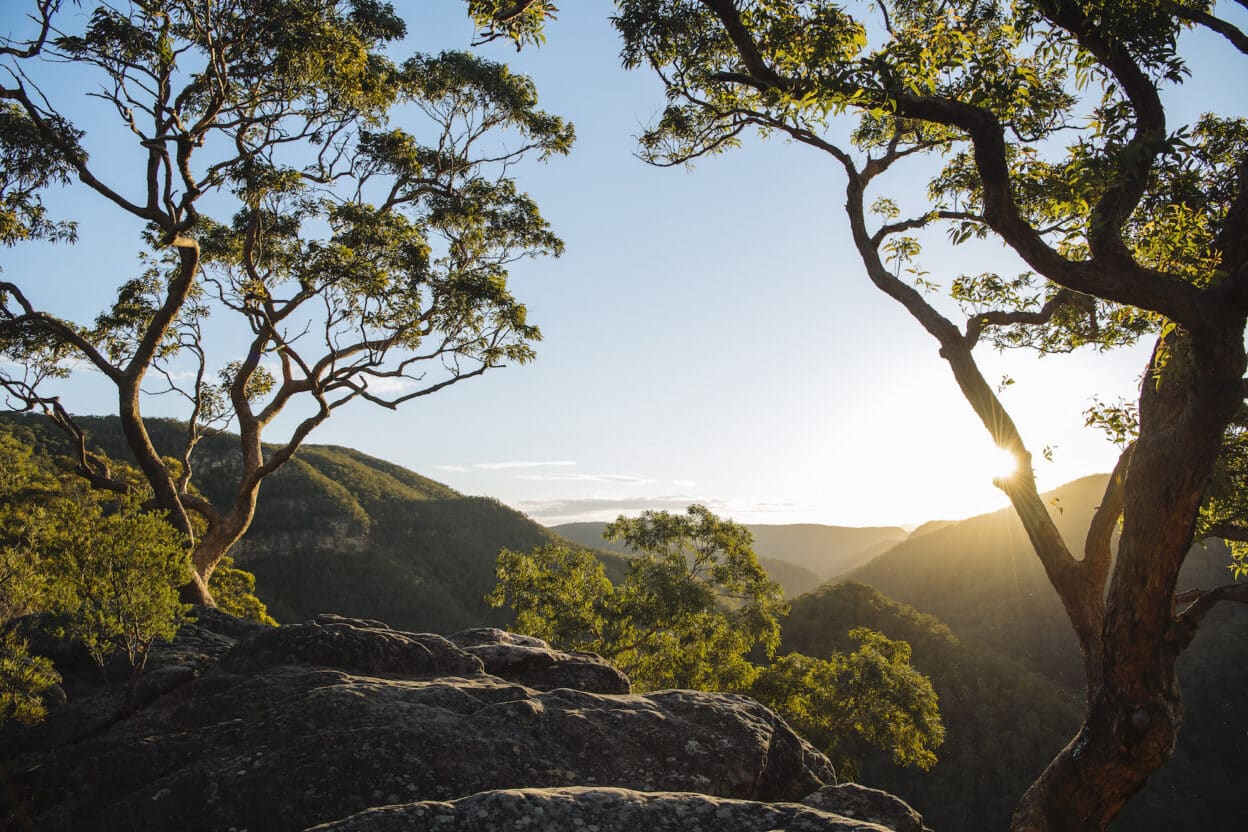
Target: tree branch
1224, 28
1063, 297
1200, 601
1097, 552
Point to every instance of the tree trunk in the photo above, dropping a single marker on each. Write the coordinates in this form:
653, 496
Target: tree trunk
1134, 705
1121, 742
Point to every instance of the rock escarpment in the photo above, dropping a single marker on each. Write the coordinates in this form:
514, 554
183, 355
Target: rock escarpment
248, 727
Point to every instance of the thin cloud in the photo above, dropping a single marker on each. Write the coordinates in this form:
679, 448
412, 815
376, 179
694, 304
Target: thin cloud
615, 479
503, 466
456, 468
593, 509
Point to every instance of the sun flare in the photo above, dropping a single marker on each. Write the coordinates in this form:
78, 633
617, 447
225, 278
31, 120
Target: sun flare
1003, 464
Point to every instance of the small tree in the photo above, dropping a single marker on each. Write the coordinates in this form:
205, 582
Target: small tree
113, 571
693, 608
25, 488
361, 261
1047, 129
871, 696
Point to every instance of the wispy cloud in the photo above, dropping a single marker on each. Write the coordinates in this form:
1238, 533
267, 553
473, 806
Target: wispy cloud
457, 468
503, 466
585, 509
614, 479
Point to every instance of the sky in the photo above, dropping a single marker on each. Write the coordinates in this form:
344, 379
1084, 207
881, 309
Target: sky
709, 335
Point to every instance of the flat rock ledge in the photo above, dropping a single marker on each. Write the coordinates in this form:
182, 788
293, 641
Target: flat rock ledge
351, 723
598, 810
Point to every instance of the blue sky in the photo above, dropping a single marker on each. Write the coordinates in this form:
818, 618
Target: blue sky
709, 334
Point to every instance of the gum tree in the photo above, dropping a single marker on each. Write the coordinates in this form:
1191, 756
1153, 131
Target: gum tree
1042, 125
347, 220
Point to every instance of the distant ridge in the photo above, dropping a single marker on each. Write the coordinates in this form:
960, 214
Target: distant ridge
800, 556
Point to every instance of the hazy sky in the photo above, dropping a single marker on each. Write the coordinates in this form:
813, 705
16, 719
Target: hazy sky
709, 335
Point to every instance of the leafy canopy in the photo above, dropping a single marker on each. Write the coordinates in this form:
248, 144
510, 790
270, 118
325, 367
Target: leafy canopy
695, 610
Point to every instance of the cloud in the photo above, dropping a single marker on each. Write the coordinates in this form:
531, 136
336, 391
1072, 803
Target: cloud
684, 483
615, 479
458, 468
502, 466
600, 508
590, 509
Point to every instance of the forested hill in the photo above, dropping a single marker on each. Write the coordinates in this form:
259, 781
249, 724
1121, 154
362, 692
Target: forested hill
1003, 720
981, 578
338, 530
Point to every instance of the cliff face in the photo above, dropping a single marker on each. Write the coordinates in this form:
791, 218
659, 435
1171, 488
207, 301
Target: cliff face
239, 726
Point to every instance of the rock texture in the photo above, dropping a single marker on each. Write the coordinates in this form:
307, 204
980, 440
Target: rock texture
247, 727
598, 810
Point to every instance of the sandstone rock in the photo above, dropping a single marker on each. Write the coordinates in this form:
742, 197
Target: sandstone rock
872, 805
532, 662
284, 728
597, 810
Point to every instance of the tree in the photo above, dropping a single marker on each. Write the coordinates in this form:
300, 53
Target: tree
694, 603
871, 696
24, 486
362, 262
693, 611
1128, 229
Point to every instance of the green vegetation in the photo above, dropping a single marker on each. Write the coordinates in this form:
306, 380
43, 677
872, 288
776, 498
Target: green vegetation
112, 573
106, 570
695, 609
338, 530
363, 262
1016, 661
1041, 125
1003, 720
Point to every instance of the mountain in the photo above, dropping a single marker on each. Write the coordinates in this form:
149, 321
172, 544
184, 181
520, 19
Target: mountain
981, 578
1003, 720
799, 557
338, 530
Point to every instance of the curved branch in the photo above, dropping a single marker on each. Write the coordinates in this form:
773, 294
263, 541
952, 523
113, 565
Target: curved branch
1200, 601
1063, 297
1225, 28
1227, 530
1097, 552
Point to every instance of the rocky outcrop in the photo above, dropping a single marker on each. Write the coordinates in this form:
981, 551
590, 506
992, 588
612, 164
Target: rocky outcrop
581, 809
247, 727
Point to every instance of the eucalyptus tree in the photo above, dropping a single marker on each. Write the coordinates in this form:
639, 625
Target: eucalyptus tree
351, 217
1041, 124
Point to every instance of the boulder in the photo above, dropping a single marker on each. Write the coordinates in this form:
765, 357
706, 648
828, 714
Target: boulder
872, 805
597, 810
532, 662
263, 728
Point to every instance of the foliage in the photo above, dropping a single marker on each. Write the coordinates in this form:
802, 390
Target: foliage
360, 260
234, 590
692, 611
23, 680
1002, 719
691, 607
871, 696
116, 570
107, 569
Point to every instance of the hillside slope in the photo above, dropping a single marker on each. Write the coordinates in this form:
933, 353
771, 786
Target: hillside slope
981, 578
1003, 721
340, 531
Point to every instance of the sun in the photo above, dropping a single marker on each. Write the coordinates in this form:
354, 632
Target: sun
1002, 464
